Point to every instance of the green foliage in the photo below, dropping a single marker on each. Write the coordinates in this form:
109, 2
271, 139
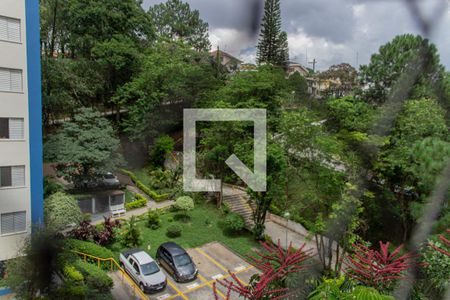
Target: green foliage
155, 196
398, 59
36, 266
184, 204
171, 74
162, 147
272, 45
350, 113
91, 249
174, 20
436, 269
96, 279
153, 219
234, 222
340, 289
61, 210
71, 273
84, 147
298, 84
174, 231
131, 235
51, 186
138, 202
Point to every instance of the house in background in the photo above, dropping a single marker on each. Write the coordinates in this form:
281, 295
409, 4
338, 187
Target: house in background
21, 181
293, 67
231, 63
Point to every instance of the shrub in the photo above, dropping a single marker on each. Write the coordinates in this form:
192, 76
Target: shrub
153, 219
51, 186
158, 152
380, 269
92, 249
174, 231
226, 208
184, 203
155, 196
234, 222
107, 234
131, 234
95, 277
71, 273
61, 210
140, 201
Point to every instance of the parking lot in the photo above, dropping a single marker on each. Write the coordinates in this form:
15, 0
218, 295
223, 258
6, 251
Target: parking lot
213, 261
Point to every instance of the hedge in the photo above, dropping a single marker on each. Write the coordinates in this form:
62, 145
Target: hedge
155, 196
140, 201
92, 249
94, 277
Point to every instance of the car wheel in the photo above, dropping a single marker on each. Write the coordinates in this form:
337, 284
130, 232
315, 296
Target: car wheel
141, 286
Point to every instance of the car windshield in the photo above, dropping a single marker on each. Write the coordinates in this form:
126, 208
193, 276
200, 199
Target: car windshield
182, 260
109, 176
149, 269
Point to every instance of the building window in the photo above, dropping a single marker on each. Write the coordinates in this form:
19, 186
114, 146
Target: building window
13, 222
11, 128
12, 176
10, 80
10, 29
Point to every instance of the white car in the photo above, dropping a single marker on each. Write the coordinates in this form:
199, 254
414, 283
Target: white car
109, 179
144, 270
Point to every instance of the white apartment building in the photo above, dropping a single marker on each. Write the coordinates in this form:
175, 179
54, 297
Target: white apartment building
20, 124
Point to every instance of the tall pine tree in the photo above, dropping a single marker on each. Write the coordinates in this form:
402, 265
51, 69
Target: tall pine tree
272, 46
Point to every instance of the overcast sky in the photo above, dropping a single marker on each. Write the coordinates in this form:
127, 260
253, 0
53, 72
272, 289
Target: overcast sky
331, 31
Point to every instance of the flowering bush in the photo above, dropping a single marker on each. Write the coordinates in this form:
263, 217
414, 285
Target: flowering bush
380, 269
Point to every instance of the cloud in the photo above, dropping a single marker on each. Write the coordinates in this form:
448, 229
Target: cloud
332, 31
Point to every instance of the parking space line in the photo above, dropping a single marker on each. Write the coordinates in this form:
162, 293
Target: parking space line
211, 286
208, 283
217, 263
172, 285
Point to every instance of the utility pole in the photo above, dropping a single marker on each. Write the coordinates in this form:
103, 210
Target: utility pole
313, 63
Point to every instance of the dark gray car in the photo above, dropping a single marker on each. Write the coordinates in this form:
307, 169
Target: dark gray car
177, 262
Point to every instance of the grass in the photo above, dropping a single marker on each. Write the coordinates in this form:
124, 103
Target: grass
196, 232
128, 196
144, 176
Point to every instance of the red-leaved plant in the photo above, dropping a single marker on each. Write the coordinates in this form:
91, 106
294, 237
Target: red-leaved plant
275, 264
446, 243
380, 269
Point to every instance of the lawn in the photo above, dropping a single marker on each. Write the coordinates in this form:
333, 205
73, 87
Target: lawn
204, 226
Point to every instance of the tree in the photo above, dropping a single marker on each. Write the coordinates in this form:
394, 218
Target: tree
398, 58
419, 135
117, 17
297, 84
84, 147
276, 178
131, 235
161, 148
272, 46
350, 113
184, 204
174, 20
172, 77
61, 210
32, 274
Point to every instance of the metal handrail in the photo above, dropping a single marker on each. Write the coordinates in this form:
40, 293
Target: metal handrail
113, 263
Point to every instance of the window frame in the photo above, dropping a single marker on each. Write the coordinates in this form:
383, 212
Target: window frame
14, 213
6, 18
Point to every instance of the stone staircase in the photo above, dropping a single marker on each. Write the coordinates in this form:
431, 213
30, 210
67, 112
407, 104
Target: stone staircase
239, 203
